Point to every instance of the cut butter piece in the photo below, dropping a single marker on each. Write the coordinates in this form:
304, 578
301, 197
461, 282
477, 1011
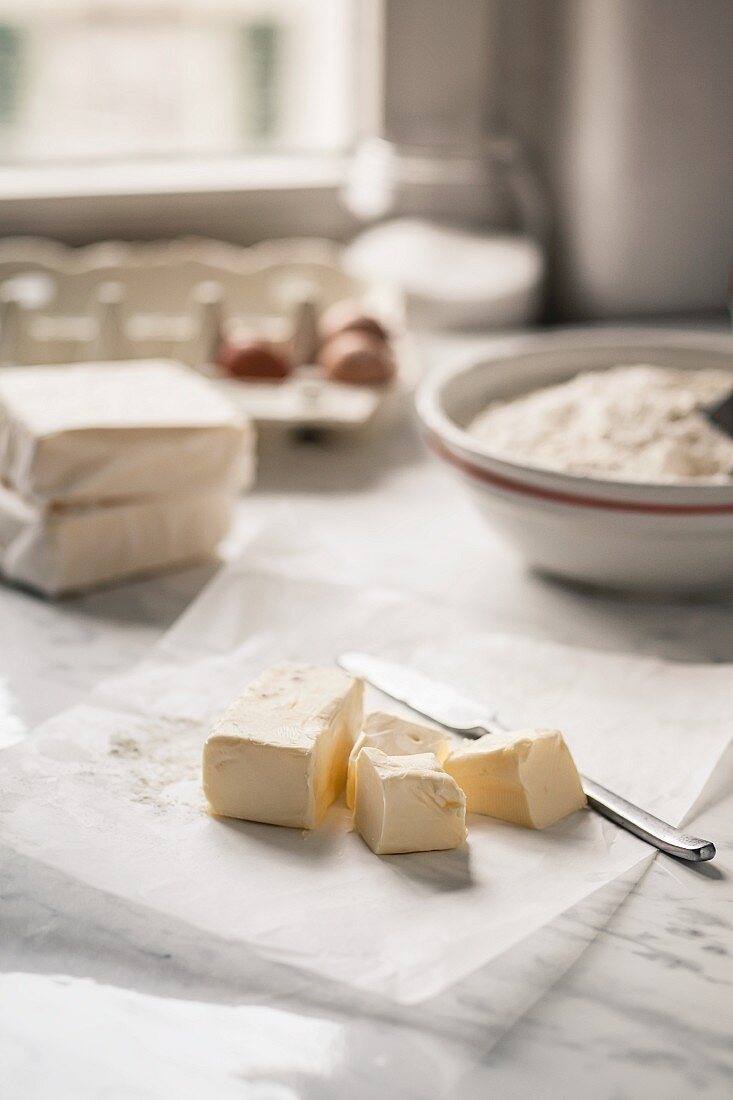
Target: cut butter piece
407, 804
396, 737
280, 751
527, 777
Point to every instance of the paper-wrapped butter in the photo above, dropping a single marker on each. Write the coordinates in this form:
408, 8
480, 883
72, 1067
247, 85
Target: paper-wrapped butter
67, 549
94, 432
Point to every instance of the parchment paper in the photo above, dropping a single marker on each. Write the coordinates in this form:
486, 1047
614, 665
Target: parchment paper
109, 791
11, 727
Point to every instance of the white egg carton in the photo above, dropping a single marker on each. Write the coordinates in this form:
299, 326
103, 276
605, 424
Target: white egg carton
177, 299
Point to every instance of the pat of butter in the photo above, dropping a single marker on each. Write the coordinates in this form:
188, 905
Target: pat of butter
527, 777
407, 804
396, 737
280, 751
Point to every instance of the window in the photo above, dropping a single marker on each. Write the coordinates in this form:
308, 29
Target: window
109, 80
224, 118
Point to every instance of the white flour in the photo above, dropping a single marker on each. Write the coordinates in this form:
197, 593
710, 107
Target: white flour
629, 423
157, 763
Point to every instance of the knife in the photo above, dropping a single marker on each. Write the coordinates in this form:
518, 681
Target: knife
441, 704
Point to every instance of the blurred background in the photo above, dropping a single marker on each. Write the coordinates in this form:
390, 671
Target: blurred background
600, 128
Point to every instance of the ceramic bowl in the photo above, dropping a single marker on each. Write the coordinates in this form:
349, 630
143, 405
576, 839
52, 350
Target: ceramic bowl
619, 534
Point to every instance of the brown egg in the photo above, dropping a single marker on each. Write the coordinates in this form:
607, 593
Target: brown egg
357, 358
254, 360
347, 316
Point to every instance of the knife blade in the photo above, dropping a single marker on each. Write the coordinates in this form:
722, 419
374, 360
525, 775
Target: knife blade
448, 708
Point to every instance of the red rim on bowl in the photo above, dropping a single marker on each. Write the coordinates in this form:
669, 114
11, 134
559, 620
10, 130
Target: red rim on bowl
577, 500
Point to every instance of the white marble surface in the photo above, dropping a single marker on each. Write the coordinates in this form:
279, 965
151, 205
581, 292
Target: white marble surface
99, 999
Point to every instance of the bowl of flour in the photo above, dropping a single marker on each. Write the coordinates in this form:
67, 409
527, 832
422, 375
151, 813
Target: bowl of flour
591, 453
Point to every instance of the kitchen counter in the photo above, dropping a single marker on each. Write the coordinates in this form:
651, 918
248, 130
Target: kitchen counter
100, 999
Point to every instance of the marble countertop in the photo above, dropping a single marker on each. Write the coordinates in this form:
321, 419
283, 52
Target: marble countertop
98, 999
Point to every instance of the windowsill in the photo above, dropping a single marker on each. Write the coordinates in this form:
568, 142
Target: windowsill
204, 175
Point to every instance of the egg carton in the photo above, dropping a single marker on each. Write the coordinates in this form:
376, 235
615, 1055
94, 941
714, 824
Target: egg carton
179, 299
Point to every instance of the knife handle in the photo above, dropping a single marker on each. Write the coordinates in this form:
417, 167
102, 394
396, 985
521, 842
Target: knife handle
645, 825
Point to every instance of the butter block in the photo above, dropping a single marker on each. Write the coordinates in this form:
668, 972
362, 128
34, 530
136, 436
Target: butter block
407, 803
279, 753
91, 432
396, 737
68, 549
527, 777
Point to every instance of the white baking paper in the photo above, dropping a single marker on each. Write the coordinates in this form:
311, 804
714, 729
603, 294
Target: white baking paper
109, 792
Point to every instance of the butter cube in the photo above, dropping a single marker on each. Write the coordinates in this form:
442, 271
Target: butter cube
396, 737
407, 803
279, 753
527, 777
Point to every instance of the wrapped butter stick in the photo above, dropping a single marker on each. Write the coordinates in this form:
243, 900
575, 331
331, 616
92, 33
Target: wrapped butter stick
67, 549
91, 432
